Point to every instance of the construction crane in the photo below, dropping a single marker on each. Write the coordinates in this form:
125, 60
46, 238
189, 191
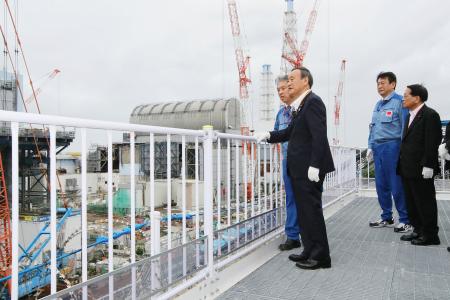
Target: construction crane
5, 267
338, 103
290, 28
49, 76
243, 64
5, 226
298, 54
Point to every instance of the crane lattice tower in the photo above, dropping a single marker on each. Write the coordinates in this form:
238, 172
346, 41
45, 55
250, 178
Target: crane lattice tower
290, 27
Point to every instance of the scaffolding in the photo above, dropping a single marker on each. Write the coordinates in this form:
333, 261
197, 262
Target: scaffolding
267, 108
97, 159
175, 160
33, 174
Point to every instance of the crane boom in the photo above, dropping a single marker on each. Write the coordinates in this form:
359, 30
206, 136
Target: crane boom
309, 30
338, 103
242, 61
5, 227
50, 76
300, 53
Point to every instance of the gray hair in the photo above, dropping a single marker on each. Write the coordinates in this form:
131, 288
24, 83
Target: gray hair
281, 78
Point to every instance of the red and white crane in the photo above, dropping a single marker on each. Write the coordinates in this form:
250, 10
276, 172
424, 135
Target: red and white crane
298, 54
5, 218
289, 28
5, 226
49, 76
338, 104
243, 64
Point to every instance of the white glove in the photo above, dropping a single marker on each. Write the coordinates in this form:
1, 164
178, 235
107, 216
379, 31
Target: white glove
427, 173
443, 152
262, 136
369, 155
313, 174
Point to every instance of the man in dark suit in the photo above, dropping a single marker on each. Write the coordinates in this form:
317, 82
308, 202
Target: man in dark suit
308, 161
417, 165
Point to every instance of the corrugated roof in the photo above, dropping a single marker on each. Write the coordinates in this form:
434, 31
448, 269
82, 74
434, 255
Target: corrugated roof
181, 107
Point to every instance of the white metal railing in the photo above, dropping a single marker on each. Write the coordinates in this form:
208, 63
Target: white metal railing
343, 180
51, 122
242, 204
366, 173
243, 200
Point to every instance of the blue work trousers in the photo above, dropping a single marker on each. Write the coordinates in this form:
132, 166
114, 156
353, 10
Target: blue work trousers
291, 228
387, 182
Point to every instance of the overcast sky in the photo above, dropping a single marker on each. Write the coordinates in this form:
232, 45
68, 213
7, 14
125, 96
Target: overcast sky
114, 55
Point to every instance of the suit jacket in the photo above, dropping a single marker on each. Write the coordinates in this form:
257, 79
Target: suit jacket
420, 144
307, 136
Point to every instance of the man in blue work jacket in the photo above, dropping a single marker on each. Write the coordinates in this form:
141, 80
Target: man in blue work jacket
284, 117
385, 132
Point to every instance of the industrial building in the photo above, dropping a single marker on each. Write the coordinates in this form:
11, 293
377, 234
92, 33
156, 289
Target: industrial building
222, 114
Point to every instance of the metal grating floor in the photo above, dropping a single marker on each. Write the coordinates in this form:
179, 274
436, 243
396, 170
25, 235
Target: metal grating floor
366, 264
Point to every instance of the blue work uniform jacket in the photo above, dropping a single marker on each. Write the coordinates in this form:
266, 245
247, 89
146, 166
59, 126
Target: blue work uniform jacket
282, 121
388, 120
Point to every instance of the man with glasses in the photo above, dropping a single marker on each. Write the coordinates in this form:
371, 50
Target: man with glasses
418, 164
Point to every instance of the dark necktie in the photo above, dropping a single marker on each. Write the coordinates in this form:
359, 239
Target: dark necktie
288, 113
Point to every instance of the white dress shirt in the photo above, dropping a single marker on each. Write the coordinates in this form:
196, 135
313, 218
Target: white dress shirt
299, 100
413, 113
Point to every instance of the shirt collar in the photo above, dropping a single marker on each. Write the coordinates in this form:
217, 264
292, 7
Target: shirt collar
299, 100
416, 110
388, 97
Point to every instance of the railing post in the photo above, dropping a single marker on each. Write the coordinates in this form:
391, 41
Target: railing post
15, 210
155, 250
84, 227
155, 233
208, 193
110, 216
133, 213
53, 206
360, 169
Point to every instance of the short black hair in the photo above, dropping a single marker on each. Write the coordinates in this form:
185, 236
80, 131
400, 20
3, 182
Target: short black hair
418, 90
389, 75
304, 72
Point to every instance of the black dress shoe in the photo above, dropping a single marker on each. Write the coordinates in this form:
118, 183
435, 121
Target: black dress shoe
299, 257
311, 264
409, 237
448, 249
289, 245
421, 241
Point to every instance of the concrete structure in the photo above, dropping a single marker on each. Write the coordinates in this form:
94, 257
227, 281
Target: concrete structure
66, 163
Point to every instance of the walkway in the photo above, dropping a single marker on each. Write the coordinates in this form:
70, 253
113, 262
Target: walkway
367, 264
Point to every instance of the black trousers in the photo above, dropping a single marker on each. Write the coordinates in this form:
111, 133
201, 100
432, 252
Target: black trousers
421, 203
308, 197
